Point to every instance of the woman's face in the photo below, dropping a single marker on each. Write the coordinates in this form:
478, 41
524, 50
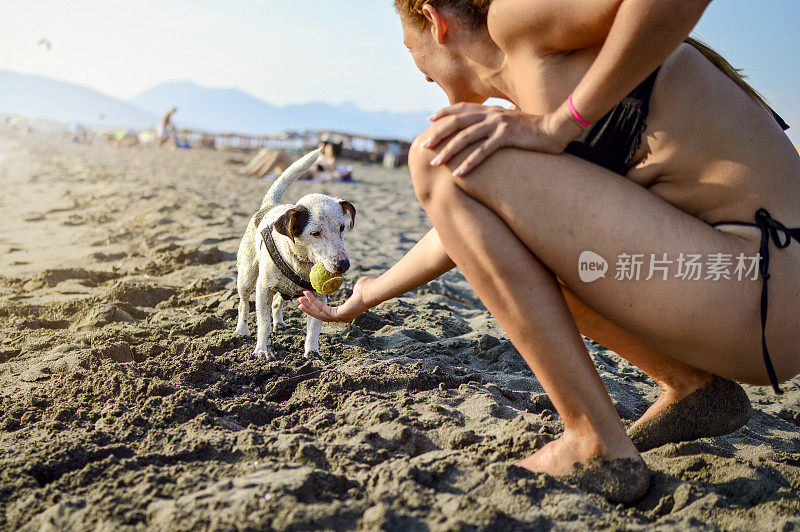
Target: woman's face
440, 64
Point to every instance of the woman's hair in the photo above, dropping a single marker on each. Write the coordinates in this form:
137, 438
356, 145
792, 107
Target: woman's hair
474, 13
734, 73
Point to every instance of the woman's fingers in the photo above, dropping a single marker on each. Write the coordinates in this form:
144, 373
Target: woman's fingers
347, 311
455, 109
312, 299
314, 307
464, 138
448, 127
310, 309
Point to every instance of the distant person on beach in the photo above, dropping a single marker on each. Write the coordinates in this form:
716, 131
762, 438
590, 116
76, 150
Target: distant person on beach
628, 144
165, 132
326, 168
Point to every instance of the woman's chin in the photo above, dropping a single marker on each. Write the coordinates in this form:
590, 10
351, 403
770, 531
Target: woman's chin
467, 99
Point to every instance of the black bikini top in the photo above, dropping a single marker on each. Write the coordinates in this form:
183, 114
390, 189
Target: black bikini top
612, 141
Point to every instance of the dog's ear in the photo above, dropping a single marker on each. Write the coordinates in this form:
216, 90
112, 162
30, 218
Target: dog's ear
292, 222
348, 207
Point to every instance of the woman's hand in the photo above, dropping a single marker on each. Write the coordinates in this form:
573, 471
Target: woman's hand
496, 127
346, 312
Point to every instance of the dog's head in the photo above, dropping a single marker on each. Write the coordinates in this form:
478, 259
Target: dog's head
315, 227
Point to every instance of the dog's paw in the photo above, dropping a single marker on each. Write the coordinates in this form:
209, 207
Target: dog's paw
267, 353
315, 357
242, 330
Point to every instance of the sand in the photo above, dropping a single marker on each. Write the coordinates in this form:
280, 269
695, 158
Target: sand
126, 401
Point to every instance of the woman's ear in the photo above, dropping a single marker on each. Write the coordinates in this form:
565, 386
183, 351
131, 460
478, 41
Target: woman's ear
438, 22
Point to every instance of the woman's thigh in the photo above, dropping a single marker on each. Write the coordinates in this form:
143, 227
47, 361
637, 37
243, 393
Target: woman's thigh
562, 207
599, 328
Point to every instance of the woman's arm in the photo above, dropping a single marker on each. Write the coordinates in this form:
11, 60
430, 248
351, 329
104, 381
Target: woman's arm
423, 263
636, 37
426, 261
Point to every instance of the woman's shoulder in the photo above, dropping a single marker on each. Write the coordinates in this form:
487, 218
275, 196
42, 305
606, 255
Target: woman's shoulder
550, 25
688, 75
725, 124
512, 23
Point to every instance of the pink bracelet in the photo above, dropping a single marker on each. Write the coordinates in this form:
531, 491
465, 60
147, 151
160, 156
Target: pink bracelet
576, 114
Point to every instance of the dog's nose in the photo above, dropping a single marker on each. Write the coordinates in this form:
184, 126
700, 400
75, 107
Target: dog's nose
342, 266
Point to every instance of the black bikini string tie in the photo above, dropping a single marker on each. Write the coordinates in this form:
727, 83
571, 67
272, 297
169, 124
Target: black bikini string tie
774, 229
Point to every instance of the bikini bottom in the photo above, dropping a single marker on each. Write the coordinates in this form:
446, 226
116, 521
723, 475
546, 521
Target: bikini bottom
781, 235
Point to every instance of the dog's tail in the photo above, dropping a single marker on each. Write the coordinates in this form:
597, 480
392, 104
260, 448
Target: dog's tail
292, 174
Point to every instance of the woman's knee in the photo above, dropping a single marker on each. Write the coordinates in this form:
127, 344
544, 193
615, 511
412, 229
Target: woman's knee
423, 175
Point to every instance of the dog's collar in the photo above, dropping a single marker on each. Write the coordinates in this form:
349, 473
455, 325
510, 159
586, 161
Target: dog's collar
281, 264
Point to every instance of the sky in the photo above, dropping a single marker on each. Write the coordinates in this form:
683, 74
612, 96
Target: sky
318, 50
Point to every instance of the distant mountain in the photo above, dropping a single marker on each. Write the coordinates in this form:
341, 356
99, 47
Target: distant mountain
234, 110
40, 97
217, 110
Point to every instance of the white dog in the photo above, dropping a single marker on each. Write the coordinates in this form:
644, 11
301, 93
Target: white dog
278, 250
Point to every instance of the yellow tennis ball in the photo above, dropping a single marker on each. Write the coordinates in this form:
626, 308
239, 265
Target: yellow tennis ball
324, 281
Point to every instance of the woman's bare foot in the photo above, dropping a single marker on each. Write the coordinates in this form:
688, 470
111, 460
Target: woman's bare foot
558, 458
714, 408
621, 476
673, 392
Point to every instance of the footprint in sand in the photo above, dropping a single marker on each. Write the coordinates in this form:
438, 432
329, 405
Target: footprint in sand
33, 217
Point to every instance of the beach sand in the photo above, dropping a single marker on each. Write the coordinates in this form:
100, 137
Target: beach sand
126, 401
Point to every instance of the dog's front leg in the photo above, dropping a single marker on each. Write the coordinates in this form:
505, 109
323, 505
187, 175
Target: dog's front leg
263, 300
277, 311
246, 278
313, 328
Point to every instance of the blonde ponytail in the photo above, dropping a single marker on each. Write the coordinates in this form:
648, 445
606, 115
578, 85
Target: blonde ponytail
727, 69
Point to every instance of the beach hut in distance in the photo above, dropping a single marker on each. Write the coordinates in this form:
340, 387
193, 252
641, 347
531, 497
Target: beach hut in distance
289, 141
388, 152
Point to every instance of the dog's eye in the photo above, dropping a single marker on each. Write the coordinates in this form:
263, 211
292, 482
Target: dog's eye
341, 228
316, 233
